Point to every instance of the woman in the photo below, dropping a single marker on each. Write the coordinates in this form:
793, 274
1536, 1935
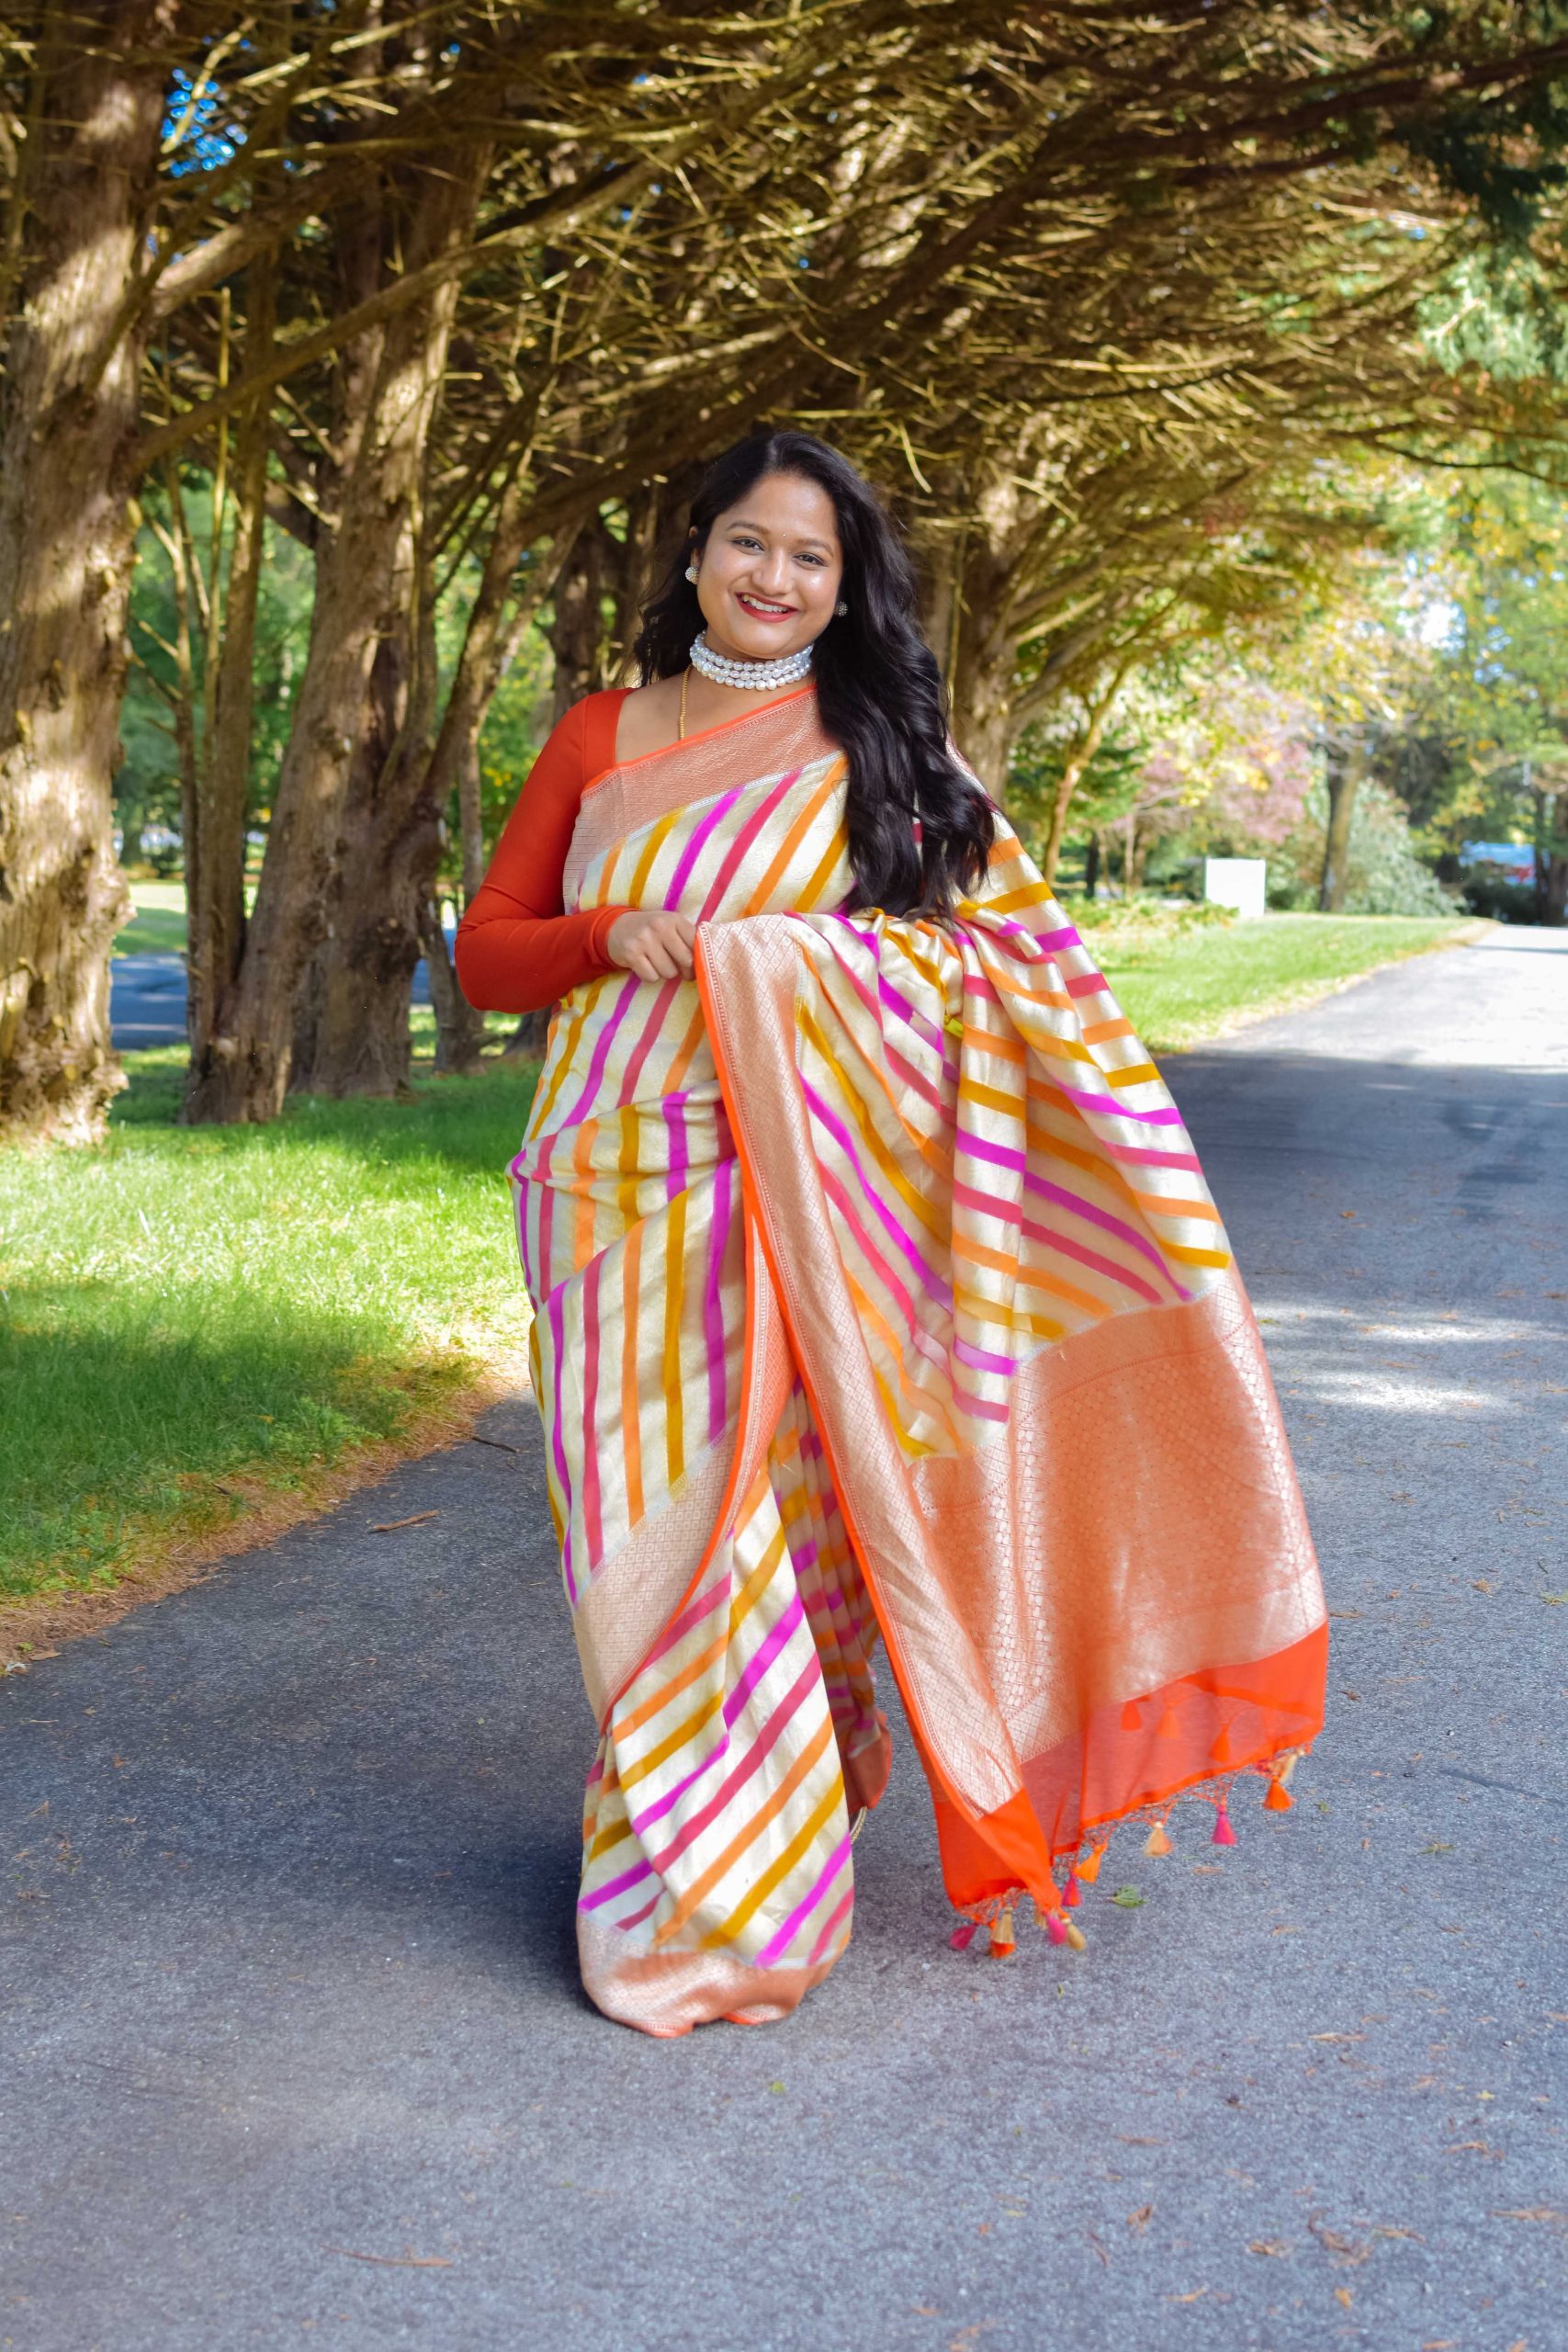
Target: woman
877, 1293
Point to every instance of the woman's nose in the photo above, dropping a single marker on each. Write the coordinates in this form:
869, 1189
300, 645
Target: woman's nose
770, 573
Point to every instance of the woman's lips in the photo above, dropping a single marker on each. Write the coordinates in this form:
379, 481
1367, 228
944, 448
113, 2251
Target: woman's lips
765, 612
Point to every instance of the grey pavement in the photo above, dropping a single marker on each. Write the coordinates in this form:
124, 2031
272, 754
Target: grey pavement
147, 1000
294, 2048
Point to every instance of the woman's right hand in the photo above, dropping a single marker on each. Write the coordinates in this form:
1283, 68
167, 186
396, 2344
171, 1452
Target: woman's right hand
656, 945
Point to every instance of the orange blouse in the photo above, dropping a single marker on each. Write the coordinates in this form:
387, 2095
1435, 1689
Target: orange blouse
518, 948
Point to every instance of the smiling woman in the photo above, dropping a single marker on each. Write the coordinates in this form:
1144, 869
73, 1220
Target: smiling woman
877, 1295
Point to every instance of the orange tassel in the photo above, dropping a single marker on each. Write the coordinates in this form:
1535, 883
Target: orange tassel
1279, 1799
1132, 1716
1002, 1936
1224, 1753
1170, 1727
1224, 1834
1157, 1842
1088, 1868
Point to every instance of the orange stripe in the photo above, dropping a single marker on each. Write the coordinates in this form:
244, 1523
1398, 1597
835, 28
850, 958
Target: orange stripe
672, 1742
746, 1835
779, 1870
626, 1724
832, 857
1158, 1206
1031, 1277
792, 841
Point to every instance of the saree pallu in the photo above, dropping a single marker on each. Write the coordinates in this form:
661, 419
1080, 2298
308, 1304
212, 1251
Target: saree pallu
878, 1295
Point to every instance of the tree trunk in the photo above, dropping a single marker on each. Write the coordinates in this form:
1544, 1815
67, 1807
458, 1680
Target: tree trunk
1552, 857
67, 552
360, 657
1079, 760
215, 841
1091, 866
1341, 775
459, 1030
576, 631
396, 833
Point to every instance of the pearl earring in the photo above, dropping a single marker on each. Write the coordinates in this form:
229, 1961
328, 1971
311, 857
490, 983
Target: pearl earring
840, 610
690, 572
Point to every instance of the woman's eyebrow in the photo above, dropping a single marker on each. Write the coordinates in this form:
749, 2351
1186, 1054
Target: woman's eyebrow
744, 522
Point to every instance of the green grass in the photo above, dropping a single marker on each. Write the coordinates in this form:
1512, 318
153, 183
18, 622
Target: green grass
1178, 986
158, 926
184, 1309
194, 1321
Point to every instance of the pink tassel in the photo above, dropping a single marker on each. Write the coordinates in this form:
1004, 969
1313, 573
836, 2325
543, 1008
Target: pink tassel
1224, 1834
962, 1937
1056, 1928
1073, 1894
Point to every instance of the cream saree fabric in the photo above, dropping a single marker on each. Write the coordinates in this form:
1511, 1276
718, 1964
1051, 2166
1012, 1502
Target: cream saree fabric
878, 1294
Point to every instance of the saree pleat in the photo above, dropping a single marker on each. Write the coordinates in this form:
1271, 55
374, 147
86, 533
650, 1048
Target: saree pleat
879, 1296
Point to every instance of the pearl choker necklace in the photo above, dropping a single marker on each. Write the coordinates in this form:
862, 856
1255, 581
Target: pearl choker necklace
758, 677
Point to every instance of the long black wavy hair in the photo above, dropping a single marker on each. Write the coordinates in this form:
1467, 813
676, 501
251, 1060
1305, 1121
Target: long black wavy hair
878, 686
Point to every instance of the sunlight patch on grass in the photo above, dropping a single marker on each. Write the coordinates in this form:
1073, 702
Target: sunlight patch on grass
1179, 988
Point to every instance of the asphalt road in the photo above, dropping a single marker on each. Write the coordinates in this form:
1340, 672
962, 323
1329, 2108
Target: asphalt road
147, 1000
294, 2050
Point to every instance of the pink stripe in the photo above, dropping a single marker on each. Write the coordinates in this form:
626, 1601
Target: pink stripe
601, 1050
981, 1359
735, 1780
762, 1659
703, 1606
693, 848
777, 1945
715, 1755
615, 1886
652, 1028
1005, 1155
909, 1249
743, 840
557, 1341
831, 1929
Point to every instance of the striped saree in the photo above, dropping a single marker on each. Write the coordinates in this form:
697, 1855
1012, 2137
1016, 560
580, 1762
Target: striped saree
878, 1296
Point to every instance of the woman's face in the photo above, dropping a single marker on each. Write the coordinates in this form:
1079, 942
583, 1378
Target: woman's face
767, 579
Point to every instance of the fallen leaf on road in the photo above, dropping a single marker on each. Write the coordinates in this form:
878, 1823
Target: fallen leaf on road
1128, 1898
1267, 2246
1338, 2037
1196, 2296
1141, 2218
1528, 2213
1343, 2295
1436, 1849
394, 2261
386, 1526
1554, 1600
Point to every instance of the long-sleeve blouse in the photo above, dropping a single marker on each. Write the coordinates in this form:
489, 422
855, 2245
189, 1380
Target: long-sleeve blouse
518, 948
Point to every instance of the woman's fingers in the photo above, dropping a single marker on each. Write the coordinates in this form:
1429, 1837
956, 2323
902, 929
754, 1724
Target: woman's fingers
655, 946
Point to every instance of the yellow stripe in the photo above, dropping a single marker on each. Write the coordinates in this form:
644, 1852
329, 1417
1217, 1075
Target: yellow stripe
861, 1112
793, 839
1136, 1074
1189, 1257
722, 1865
675, 1283
650, 850
778, 1870
672, 1741
631, 1400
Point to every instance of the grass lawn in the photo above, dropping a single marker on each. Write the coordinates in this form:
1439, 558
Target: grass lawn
195, 1325
158, 926
197, 1322
1178, 987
